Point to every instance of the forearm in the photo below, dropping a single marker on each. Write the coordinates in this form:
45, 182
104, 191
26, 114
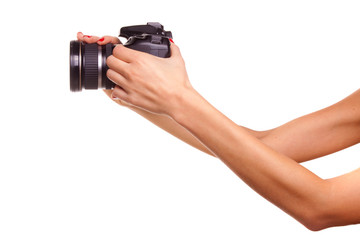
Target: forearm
169, 125
172, 127
320, 133
165, 123
273, 175
178, 131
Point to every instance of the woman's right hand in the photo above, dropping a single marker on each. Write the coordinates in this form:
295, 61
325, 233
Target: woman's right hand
102, 41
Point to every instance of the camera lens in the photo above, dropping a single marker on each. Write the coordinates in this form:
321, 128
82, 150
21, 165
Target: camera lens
88, 66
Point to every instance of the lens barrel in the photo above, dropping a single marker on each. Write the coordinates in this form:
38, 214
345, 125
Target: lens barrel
88, 66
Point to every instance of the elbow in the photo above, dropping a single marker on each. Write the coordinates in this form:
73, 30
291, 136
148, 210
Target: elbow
314, 224
321, 218
315, 220
319, 213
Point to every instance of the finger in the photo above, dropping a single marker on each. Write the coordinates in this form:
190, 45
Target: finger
88, 38
80, 36
121, 94
126, 54
117, 78
109, 92
118, 65
108, 39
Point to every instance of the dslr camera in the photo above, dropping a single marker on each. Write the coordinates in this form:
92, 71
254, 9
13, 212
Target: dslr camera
88, 61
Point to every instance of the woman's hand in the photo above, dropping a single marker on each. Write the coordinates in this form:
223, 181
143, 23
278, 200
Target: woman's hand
101, 41
95, 39
148, 82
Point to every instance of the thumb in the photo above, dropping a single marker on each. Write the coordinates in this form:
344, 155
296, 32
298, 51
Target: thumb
109, 92
175, 50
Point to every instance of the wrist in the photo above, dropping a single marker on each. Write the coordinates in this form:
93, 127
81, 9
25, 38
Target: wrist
186, 104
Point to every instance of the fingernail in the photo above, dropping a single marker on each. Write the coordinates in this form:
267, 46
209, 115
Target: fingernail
171, 40
101, 39
88, 36
115, 98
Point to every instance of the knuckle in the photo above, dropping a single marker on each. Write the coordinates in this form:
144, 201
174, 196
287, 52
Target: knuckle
132, 100
112, 39
133, 73
138, 59
138, 56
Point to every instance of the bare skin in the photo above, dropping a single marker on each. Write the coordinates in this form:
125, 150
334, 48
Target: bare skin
268, 161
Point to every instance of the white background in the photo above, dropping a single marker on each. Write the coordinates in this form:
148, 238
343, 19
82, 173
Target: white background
77, 166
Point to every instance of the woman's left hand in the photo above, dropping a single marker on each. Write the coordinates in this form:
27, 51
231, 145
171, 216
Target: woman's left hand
148, 82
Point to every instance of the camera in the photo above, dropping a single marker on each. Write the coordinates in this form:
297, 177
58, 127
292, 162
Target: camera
88, 61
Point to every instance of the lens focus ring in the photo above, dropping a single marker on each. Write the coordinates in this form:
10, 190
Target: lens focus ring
90, 66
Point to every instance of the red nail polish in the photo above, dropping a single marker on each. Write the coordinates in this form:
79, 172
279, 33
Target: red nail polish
171, 40
101, 39
88, 36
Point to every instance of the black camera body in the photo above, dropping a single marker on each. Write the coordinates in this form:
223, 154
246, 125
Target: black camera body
88, 61
150, 38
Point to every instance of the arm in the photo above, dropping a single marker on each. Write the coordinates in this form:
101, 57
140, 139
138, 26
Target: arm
311, 136
308, 137
319, 133
314, 202
167, 124
317, 128
163, 122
